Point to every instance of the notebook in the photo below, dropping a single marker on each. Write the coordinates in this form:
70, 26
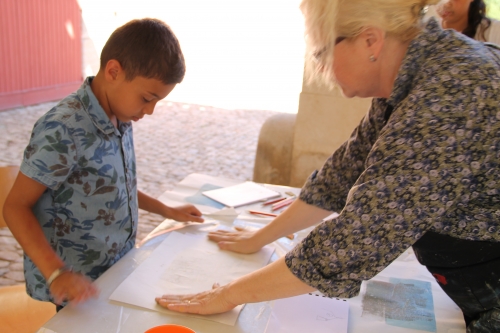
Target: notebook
241, 194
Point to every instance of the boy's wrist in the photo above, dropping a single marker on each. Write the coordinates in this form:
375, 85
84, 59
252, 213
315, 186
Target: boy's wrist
167, 212
56, 273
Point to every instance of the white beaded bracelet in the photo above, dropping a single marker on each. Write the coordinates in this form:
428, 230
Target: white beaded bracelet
55, 274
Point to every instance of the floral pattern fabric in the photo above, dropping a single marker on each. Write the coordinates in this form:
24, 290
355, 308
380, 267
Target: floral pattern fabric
433, 164
89, 211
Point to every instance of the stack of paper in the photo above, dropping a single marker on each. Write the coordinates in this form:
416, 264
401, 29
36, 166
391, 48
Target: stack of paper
241, 194
186, 264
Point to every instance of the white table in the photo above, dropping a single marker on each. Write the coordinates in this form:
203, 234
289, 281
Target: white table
103, 316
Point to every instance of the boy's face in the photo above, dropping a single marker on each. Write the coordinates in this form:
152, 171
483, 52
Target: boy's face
132, 100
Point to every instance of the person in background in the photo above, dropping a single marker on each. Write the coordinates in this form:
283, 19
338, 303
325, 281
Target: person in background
469, 17
74, 205
421, 170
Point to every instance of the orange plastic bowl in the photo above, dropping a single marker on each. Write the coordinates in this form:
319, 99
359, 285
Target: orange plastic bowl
170, 329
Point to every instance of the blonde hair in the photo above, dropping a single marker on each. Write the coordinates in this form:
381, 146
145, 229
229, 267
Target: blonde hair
327, 20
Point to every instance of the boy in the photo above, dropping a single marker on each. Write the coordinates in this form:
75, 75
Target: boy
74, 205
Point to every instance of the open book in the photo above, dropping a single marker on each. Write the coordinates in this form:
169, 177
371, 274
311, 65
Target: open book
241, 194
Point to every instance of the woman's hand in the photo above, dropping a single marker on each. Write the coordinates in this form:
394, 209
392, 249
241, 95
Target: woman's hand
270, 282
240, 241
185, 213
72, 287
298, 216
205, 303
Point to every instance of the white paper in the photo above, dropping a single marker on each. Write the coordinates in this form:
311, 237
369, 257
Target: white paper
189, 191
185, 264
169, 225
241, 194
309, 313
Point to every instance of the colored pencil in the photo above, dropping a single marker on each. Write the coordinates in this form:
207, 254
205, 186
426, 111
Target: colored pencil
272, 201
254, 212
282, 204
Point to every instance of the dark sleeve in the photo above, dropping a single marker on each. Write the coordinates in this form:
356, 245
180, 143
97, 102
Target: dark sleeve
433, 167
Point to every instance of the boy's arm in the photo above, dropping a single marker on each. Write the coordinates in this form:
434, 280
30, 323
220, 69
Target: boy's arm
183, 213
24, 226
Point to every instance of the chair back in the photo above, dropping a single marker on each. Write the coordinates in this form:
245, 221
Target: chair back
20, 313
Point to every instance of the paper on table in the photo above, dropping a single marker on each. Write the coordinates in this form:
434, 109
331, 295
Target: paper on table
309, 313
241, 194
190, 189
228, 211
449, 317
187, 263
403, 303
169, 225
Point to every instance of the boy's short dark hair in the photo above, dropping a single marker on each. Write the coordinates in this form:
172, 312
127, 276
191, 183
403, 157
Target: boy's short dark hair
147, 48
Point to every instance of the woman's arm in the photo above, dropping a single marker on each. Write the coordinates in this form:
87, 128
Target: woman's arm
323, 193
270, 282
297, 217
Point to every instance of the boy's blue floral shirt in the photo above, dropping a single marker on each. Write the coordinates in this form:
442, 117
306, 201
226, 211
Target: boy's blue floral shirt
89, 211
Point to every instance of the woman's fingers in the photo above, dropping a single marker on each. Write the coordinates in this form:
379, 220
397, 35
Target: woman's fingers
179, 303
208, 302
240, 241
178, 298
228, 246
220, 238
221, 235
185, 306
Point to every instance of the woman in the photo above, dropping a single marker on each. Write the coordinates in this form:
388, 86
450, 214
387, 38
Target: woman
421, 169
469, 18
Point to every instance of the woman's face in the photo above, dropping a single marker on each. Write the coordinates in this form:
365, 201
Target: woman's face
354, 73
454, 11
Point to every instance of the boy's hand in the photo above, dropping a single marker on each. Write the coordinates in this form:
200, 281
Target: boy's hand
186, 213
72, 287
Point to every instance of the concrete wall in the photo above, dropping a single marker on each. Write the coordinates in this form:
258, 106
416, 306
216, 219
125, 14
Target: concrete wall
291, 147
324, 121
40, 48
